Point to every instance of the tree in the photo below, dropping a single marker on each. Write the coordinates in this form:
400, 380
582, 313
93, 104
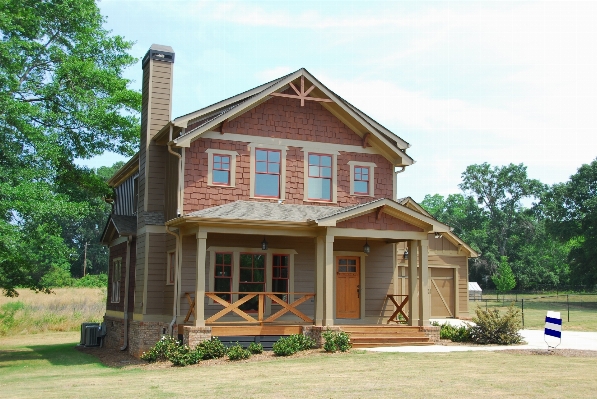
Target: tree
504, 278
571, 211
62, 97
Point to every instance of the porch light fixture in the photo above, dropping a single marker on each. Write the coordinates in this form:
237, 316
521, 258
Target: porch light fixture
438, 235
264, 244
366, 247
405, 256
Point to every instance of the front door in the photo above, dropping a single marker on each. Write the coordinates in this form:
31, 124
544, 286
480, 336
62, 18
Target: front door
348, 302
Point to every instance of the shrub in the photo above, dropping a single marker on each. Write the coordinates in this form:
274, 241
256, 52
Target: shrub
92, 281
255, 348
336, 341
455, 334
493, 328
183, 356
162, 350
212, 349
237, 352
287, 346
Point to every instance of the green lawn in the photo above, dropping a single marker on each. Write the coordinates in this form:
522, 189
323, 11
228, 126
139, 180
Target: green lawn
48, 366
583, 309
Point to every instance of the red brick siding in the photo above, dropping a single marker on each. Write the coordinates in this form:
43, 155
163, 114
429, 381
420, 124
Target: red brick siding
286, 119
385, 222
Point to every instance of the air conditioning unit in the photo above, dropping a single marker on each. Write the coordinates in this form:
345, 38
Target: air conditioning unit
83, 327
91, 335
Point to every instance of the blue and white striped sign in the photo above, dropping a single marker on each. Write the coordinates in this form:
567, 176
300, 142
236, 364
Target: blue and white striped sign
553, 324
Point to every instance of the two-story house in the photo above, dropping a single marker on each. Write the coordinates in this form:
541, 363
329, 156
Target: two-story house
270, 213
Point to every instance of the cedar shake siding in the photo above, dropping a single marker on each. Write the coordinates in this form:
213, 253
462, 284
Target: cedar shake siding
279, 118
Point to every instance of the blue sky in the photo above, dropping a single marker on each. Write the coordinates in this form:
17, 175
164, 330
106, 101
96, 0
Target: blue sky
462, 82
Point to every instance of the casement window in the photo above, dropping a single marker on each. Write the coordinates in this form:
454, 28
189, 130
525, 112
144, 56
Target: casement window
281, 275
267, 173
171, 268
223, 274
362, 180
116, 279
320, 177
221, 167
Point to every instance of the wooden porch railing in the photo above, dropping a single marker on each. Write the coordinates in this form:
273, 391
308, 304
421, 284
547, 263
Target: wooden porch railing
399, 309
247, 296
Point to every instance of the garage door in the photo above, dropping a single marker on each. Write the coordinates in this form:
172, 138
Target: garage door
442, 292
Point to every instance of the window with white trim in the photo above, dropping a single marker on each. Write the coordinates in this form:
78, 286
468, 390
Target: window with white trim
268, 171
320, 177
221, 167
116, 279
171, 268
362, 180
320, 181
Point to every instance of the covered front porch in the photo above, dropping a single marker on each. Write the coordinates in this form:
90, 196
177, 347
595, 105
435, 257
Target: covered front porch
338, 270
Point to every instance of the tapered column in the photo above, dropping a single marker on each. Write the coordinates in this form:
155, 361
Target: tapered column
329, 281
200, 288
424, 294
413, 297
319, 281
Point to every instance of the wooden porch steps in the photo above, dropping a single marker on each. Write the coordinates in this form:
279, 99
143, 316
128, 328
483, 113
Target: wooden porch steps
378, 336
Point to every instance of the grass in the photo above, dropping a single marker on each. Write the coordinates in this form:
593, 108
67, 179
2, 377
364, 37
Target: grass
583, 309
50, 363
64, 310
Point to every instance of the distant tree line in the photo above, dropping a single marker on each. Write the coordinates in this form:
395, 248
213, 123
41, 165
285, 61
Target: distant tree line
552, 242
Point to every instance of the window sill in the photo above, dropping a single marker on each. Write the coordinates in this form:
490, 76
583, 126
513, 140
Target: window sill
320, 201
220, 186
362, 195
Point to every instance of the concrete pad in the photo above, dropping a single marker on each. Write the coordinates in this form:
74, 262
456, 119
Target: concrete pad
534, 340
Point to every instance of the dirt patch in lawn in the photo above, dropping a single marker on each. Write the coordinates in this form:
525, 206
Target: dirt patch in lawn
119, 359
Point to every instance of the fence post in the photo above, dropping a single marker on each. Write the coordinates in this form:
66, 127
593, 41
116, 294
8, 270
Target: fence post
522, 300
568, 306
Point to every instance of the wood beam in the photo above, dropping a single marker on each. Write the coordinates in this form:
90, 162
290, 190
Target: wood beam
366, 139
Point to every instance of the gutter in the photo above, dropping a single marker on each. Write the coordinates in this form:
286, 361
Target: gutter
180, 172
126, 293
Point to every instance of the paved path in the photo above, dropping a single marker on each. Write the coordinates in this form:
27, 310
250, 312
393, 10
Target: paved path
534, 339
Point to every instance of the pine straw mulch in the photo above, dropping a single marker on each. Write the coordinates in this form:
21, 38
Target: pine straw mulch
120, 359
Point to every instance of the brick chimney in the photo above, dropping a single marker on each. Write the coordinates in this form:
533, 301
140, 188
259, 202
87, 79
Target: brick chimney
156, 111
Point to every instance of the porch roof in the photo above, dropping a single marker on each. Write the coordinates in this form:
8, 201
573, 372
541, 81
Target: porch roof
309, 215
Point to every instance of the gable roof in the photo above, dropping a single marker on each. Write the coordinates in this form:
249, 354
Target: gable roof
208, 118
120, 224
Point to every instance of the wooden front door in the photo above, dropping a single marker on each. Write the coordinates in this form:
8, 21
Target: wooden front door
348, 285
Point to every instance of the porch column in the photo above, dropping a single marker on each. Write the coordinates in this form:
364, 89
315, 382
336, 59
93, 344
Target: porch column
319, 280
200, 288
424, 308
329, 281
413, 298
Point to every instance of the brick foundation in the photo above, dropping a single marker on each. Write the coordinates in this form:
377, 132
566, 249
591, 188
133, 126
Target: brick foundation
192, 336
142, 335
432, 332
316, 332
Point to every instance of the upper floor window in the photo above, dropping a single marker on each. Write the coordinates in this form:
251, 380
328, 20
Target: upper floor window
320, 177
221, 165
267, 173
362, 180
221, 170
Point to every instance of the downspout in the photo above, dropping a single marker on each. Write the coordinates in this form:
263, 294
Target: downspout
177, 281
175, 301
126, 294
396, 172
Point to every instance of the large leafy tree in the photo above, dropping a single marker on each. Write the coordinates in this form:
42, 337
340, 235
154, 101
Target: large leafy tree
62, 97
571, 209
